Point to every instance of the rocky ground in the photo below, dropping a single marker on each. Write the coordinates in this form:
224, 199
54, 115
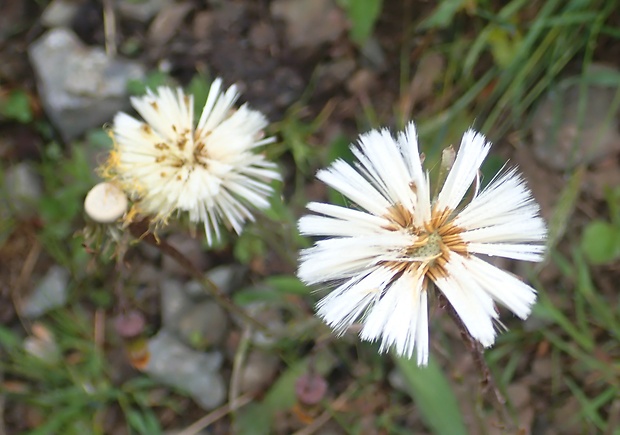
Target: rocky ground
138, 347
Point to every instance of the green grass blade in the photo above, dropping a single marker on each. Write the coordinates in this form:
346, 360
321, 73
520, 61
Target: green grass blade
433, 395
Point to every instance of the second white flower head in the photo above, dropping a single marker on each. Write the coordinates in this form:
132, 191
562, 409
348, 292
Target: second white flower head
211, 170
383, 256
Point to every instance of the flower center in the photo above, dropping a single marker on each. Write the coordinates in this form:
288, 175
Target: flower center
428, 247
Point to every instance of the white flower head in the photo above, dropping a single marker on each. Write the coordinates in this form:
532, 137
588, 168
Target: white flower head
384, 256
210, 170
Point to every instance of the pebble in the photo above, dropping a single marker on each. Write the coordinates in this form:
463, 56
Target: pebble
259, 371
59, 13
80, 86
177, 366
142, 10
174, 302
197, 320
191, 248
228, 277
50, 292
203, 325
561, 139
24, 189
309, 23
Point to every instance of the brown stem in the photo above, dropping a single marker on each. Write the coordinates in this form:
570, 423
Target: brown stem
140, 230
488, 380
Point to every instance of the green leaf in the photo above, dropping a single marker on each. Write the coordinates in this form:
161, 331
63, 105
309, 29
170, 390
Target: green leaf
16, 107
444, 14
564, 208
433, 396
601, 242
504, 45
199, 87
363, 15
340, 148
287, 284
8, 338
151, 81
273, 289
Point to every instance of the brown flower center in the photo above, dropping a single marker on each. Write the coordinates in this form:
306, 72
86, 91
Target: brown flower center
435, 241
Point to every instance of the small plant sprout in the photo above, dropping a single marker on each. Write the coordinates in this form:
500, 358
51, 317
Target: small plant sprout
383, 257
210, 170
105, 203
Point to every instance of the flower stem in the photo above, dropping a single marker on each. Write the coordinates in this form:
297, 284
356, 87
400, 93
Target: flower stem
488, 380
140, 230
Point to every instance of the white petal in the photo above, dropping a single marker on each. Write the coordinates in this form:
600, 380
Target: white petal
339, 258
471, 154
383, 164
346, 180
503, 287
345, 304
396, 317
408, 145
343, 222
161, 168
472, 304
515, 251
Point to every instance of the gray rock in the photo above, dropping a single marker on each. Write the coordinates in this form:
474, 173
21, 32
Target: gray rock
373, 54
271, 318
227, 278
309, 23
191, 248
24, 189
50, 293
142, 10
174, 302
80, 87
60, 13
562, 138
199, 323
397, 380
259, 371
203, 325
178, 366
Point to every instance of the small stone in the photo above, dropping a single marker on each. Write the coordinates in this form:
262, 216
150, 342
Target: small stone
259, 371
24, 189
397, 380
227, 278
519, 395
174, 302
197, 373
80, 87
362, 82
142, 10
270, 317
309, 23
50, 293
105, 203
168, 22
373, 54
202, 25
563, 138
191, 248
333, 74
262, 36
42, 344
60, 13
202, 325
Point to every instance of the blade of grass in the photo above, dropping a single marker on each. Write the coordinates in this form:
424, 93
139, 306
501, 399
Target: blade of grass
433, 395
